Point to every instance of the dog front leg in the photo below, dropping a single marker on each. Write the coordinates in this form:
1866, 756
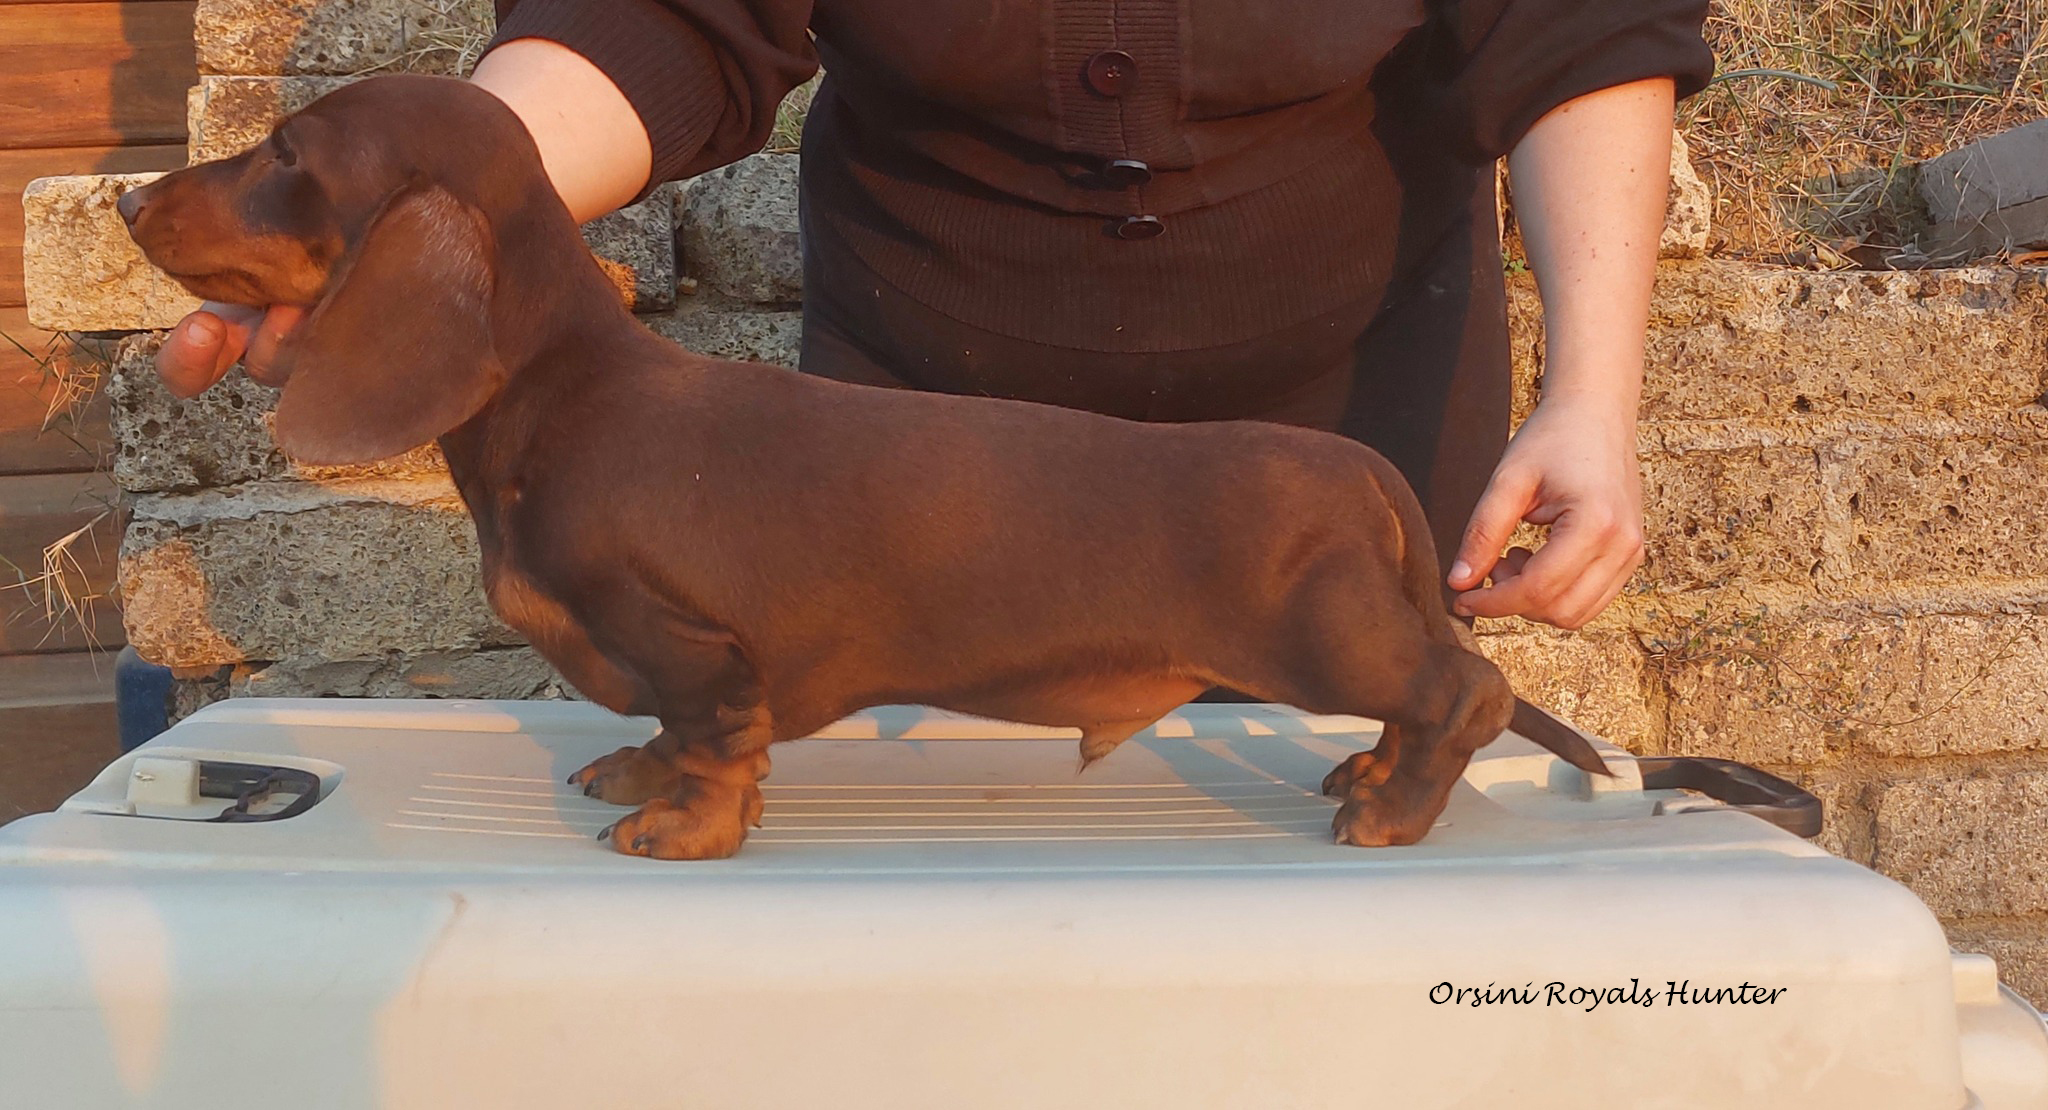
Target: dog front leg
634, 774
705, 815
697, 782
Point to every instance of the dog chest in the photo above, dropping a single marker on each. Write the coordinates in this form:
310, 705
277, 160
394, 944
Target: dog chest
940, 912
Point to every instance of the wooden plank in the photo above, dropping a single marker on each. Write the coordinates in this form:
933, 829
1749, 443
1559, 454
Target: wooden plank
36, 511
32, 440
91, 74
19, 167
57, 727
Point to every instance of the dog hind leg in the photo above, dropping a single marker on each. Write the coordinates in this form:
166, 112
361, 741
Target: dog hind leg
1404, 806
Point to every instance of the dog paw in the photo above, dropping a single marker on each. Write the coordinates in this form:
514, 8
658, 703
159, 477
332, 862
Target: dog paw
701, 820
627, 777
1361, 769
1368, 819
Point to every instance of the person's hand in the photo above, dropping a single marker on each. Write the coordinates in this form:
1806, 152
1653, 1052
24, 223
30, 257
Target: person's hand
208, 342
1572, 466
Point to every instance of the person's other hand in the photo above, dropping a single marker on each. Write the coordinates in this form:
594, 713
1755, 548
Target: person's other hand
208, 342
1572, 467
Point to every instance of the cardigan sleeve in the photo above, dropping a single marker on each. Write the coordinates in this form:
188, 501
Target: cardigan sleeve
1501, 65
705, 76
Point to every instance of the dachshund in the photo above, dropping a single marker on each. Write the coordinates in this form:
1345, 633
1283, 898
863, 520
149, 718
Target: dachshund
748, 553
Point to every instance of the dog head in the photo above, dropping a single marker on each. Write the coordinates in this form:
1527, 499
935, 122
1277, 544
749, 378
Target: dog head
383, 207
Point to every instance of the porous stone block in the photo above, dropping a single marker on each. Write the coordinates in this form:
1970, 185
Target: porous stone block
323, 37
2018, 945
80, 270
721, 329
1595, 681
347, 570
738, 230
1992, 194
221, 437
1972, 846
225, 116
1688, 210
636, 248
1948, 508
1716, 516
1731, 341
1845, 806
515, 673
1791, 688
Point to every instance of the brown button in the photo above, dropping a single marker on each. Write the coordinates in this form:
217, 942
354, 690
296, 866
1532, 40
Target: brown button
1137, 227
1111, 71
1126, 173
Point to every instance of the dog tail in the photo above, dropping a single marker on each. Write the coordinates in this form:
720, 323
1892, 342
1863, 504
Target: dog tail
1562, 740
1425, 590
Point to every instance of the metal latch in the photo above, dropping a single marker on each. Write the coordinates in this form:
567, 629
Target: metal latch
254, 792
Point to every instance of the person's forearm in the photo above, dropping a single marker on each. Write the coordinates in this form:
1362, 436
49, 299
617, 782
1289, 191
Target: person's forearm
1590, 182
591, 141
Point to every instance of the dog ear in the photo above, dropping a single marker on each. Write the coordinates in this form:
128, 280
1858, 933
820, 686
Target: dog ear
399, 349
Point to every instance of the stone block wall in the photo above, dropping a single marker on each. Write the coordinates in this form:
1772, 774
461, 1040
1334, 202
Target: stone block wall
1841, 476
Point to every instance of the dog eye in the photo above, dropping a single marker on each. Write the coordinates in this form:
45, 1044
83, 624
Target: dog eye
286, 156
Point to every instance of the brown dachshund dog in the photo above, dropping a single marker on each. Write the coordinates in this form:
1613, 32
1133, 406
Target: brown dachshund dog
748, 553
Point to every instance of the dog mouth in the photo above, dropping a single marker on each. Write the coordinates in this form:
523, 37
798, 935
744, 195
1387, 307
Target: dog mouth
218, 285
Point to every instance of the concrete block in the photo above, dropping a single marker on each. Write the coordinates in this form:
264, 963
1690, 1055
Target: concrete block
1990, 195
1973, 846
1718, 516
721, 329
1954, 509
221, 437
1595, 681
81, 272
1730, 341
738, 230
320, 37
225, 116
502, 673
347, 570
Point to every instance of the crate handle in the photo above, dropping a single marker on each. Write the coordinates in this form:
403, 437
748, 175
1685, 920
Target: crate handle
1738, 786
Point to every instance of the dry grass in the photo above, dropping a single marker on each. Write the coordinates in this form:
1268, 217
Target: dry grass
1821, 107
56, 593
73, 368
442, 36
789, 118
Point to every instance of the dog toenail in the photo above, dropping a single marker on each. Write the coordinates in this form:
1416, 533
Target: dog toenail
606, 832
639, 843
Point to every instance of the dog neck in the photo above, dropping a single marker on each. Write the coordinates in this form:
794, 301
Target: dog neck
557, 323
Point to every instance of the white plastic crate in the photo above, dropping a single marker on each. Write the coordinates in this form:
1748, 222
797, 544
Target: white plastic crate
939, 912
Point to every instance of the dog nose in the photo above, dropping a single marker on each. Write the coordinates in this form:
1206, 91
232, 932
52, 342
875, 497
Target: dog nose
131, 203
